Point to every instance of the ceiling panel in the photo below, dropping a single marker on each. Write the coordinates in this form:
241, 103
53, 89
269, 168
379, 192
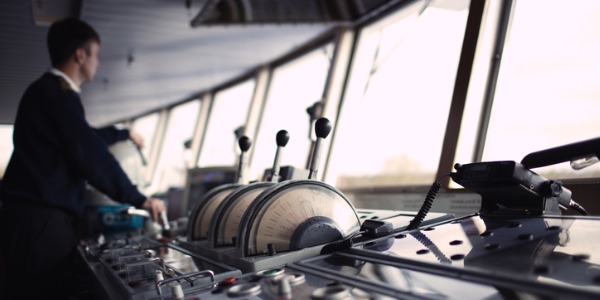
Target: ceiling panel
150, 55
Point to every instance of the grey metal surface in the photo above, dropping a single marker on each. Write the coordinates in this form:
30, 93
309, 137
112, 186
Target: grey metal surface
127, 268
543, 255
473, 257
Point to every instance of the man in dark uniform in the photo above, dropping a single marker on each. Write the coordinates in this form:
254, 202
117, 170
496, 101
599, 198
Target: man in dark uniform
56, 153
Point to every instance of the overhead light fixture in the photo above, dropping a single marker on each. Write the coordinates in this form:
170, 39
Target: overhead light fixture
223, 12
45, 12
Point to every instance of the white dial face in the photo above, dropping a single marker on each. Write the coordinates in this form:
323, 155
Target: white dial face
230, 221
207, 212
288, 208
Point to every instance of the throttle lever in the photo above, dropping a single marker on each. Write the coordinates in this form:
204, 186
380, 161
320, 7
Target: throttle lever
322, 129
244, 143
282, 139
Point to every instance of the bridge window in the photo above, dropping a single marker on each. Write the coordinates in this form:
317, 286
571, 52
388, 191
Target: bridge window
394, 113
146, 126
228, 113
294, 87
547, 93
173, 156
6, 147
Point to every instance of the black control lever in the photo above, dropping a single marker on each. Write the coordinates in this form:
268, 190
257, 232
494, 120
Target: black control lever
568, 152
244, 143
282, 139
322, 129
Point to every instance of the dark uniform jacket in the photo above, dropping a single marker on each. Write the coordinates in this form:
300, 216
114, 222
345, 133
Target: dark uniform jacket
56, 152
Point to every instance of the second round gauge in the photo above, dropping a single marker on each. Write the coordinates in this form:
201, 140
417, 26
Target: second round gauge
224, 224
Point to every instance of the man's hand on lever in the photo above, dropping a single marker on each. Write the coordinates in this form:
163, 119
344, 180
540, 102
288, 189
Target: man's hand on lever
155, 206
137, 139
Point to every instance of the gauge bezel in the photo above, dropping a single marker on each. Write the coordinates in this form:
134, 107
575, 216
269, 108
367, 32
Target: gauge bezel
263, 200
226, 205
206, 199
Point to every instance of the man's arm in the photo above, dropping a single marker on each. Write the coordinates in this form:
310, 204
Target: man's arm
111, 135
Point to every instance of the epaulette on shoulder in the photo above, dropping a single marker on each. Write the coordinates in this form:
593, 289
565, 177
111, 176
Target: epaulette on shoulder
64, 85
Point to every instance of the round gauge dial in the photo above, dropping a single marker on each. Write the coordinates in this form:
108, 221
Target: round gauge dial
202, 214
295, 215
230, 221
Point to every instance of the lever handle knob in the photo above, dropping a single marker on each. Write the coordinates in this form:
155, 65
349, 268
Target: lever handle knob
282, 138
244, 143
322, 127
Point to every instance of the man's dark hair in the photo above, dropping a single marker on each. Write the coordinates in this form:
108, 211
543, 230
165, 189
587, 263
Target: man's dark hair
66, 36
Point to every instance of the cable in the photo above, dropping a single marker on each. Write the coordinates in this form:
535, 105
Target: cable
555, 189
576, 206
425, 241
433, 190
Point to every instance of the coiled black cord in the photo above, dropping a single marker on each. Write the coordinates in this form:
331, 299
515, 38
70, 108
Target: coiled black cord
433, 190
425, 241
